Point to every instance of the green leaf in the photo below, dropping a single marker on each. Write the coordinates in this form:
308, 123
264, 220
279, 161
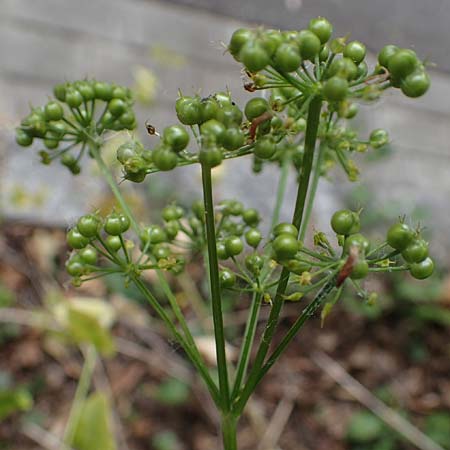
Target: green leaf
364, 427
14, 400
437, 428
84, 328
166, 440
7, 297
94, 431
173, 392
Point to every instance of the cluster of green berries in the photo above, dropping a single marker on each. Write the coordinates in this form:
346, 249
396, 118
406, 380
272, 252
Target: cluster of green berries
67, 123
405, 70
413, 249
84, 237
338, 67
223, 130
284, 51
236, 227
400, 236
94, 235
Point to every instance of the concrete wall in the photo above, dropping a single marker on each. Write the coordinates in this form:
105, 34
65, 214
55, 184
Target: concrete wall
45, 41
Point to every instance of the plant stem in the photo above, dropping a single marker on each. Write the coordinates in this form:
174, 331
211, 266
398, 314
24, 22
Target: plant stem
190, 351
215, 288
94, 147
312, 192
165, 285
84, 383
249, 336
305, 315
312, 126
229, 432
282, 184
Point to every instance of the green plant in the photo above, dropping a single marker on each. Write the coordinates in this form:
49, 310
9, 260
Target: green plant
313, 86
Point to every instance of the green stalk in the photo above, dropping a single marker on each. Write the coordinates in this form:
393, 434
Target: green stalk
305, 315
84, 383
94, 148
165, 285
229, 432
312, 126
312, 192
215, 289
249, 336
190, 351
282, 184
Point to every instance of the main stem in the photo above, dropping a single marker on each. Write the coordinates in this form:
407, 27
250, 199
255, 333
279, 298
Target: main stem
84, 383
95, 151
229, 432
310, 144
215, 289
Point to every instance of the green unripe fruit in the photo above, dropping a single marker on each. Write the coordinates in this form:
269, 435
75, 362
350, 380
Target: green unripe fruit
386, 53
254, 56
233, 245
172, 212
253, 237
59, 92
402, 63
189, 110
229, 115
88, 255
285, 246
76, 240
227, 279
344, 68
75, 268
113, 243
210, 157
415, 84
161, 251
287, 58
251, 217
422, 269
23, 138
378, 138
360, 269
212, 131
73, 98
335, 89
172, 228
164, 159
176, 137
265, 148
321, 28
356, 51
233, 138
416, 251
117, 107
285, 228
209, 108
256, 107
238, 39
103, 91
222, 252
86, 90
399, 236
53, 111
153, 234
88, 225
345, 222
113, 225
359, 241
309, 44
254, 263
